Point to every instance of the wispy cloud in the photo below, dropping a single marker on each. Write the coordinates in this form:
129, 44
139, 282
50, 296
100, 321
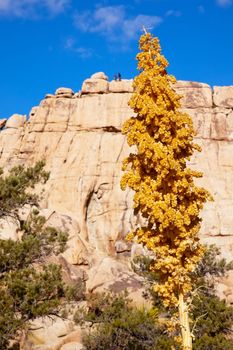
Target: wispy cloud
174, 13
82, 52
102, 20
114, 23
32, 8
224, 3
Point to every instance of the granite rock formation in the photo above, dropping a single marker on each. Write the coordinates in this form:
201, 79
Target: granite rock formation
78, 135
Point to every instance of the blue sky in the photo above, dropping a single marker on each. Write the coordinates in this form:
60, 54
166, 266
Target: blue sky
46, 44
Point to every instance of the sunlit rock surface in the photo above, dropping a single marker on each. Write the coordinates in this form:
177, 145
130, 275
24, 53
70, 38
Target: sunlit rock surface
78, 135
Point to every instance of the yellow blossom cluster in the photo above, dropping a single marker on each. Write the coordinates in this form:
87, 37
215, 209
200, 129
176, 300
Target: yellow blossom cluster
165, 193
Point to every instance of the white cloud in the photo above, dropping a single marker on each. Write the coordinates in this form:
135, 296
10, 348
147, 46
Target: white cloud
224, 3
174, 13
114, 23
32, 8
103, 20
82, 52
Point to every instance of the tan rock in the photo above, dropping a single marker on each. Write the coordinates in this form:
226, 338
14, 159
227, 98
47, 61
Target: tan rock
64, 92
8, 229
110, 274
10, 141
194, 94
84, 181
202, 120
121, 86
33, 111
95, 115
49, 331
49, 96
78, 94
72, 346
122, 247
95, 86
223, 96
221, 125
99, 75
77, 248
80, 140
16, 121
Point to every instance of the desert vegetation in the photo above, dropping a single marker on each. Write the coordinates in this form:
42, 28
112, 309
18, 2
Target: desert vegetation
30, 286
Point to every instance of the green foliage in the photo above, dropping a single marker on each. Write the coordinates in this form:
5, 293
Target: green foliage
14, 188
210, 267
38, 241
27, 294
29, 286
117, 325
219, 342
212, 318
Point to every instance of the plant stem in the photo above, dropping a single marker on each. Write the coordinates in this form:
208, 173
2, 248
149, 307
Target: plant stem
184, 322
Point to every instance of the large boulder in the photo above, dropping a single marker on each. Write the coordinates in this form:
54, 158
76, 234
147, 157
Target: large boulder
16, 121
51, 334
63, 92
121, 86
95, 86
99, 75
194, 94
111, 274
223, 96
8, 229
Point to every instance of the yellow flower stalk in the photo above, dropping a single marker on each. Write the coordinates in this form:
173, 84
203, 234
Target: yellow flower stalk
165, 192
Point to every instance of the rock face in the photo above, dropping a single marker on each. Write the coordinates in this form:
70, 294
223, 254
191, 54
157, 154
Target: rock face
223, 96
195, 95
121, 86
79, 138
78, 135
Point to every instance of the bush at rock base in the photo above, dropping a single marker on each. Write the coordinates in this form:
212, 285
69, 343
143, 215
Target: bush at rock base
117, 325
112, 322
30, 287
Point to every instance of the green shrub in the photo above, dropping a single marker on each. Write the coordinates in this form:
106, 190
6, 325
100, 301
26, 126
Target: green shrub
218, 342
212, 318
29, 286
115, 324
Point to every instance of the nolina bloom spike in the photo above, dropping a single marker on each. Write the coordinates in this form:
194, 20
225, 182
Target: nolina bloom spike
165, 193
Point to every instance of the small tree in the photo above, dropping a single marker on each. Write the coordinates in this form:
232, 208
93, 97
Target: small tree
30, 287
165, 193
